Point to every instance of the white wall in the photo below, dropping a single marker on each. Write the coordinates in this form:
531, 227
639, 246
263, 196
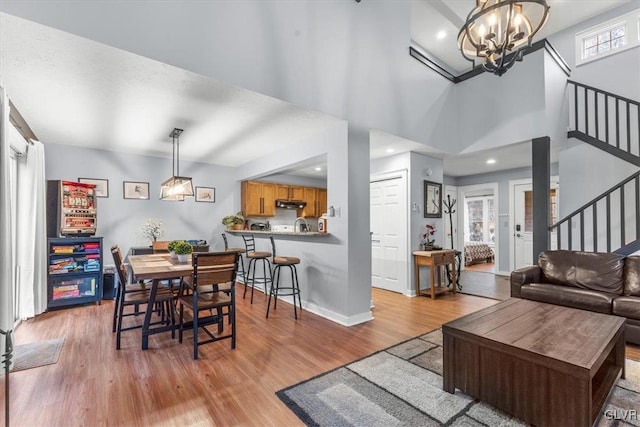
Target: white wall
120, 220
416, 165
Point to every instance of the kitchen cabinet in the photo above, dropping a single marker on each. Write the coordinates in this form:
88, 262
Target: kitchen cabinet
289, 192
316, 199
258, 198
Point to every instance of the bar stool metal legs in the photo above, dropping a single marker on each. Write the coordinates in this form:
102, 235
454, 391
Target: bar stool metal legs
276, 289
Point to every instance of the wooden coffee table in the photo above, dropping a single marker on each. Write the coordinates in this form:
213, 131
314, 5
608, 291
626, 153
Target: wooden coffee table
542, 363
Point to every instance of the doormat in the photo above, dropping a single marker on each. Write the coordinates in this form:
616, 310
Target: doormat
402, 385
35, 354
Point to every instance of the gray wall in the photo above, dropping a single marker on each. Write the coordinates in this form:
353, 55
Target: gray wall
120, 220
504, 201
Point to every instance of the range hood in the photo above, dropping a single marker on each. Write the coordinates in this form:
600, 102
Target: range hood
290, 204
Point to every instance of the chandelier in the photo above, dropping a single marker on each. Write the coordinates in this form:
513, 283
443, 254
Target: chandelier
497, 32
177, 187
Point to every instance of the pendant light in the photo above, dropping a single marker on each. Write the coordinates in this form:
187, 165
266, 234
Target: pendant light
177, 187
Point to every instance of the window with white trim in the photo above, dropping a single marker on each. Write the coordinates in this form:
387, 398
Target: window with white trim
608, 38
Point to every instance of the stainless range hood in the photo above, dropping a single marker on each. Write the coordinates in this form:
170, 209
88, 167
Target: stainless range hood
290, 204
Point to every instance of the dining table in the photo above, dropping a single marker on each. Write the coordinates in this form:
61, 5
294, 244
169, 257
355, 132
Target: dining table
156, 267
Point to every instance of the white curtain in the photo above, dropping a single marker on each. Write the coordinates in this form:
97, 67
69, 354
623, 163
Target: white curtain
6, 253
31, 245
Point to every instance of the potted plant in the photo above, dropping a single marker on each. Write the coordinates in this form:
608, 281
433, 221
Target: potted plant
234, 222
171, 247
182, 250
428, 242
152, 229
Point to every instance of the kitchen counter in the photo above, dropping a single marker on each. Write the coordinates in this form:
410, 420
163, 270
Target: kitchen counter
279, 233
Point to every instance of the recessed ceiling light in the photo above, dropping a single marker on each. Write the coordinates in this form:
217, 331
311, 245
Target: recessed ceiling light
441, 34
390, 150
491, 161
318, 169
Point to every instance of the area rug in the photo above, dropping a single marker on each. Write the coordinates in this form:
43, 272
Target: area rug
402, 385
35, 354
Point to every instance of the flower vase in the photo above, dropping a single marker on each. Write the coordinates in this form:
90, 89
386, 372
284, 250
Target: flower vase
183, 257
172, 254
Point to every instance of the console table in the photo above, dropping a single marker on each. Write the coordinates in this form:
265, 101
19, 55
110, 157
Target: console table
433, 260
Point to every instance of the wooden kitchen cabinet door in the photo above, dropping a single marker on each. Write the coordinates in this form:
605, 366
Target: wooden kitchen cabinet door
282, 192
310, 197
258, 198
296, 193
321, 201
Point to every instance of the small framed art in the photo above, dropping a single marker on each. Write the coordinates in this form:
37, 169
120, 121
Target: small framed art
205, 194
135, 190
102, 185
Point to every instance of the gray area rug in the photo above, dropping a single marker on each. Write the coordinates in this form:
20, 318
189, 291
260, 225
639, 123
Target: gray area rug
402, 386
33, 355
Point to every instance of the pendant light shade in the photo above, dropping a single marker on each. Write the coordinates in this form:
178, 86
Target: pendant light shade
176, 187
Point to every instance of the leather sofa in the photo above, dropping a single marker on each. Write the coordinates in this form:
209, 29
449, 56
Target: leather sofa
602, 282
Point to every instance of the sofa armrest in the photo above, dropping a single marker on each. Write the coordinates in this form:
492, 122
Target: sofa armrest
523, 276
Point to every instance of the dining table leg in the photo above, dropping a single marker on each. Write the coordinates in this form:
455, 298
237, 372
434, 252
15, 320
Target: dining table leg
147, 315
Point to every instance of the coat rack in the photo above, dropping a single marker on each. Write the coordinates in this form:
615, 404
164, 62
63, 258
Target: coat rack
449, 204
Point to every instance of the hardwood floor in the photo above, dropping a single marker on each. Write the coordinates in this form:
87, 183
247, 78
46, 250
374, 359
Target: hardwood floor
94, 384
485, 284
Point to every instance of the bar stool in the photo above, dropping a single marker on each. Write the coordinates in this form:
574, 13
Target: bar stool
254, 257
240, 251
294, 289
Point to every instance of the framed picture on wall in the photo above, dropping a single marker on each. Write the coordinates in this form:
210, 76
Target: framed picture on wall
205, 194
135, 190
432, 199
102, 185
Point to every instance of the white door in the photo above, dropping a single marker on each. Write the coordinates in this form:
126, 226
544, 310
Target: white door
388, 234
523, 220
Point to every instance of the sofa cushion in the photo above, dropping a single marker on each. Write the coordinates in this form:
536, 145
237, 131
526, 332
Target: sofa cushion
627, 307
585, 270
632, 276
584, 299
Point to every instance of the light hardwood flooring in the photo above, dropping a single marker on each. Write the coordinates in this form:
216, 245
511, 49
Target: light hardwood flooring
94, 384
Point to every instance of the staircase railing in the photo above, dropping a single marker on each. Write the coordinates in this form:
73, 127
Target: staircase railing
611, 220
605, 120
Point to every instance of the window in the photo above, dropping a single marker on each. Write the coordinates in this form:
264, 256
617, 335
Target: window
479, 219
608, 38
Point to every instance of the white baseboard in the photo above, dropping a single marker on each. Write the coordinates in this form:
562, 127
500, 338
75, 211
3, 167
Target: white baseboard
338, 318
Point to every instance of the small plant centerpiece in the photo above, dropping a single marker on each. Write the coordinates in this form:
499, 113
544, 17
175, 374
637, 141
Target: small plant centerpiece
171, 247
428, 241
152, 229
182, 250
234, 222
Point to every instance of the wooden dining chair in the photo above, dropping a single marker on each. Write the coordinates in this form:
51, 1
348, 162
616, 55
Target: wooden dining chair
137, 295
204, 295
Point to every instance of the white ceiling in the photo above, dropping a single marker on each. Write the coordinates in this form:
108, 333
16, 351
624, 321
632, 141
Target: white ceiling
75, 91
429, 17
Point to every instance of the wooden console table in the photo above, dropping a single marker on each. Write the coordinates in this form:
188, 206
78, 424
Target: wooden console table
433, 260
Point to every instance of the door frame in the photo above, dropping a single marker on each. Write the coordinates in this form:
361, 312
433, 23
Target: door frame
462, 193
402, 174
554, 183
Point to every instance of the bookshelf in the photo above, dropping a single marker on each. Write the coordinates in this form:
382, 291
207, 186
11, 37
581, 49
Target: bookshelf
74, 273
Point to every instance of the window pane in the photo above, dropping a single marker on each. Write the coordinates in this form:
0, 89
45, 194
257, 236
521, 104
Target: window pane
617, 32
475, 220
616, 43
491, 222
591, 41
604, 48
592, 51
604, 37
